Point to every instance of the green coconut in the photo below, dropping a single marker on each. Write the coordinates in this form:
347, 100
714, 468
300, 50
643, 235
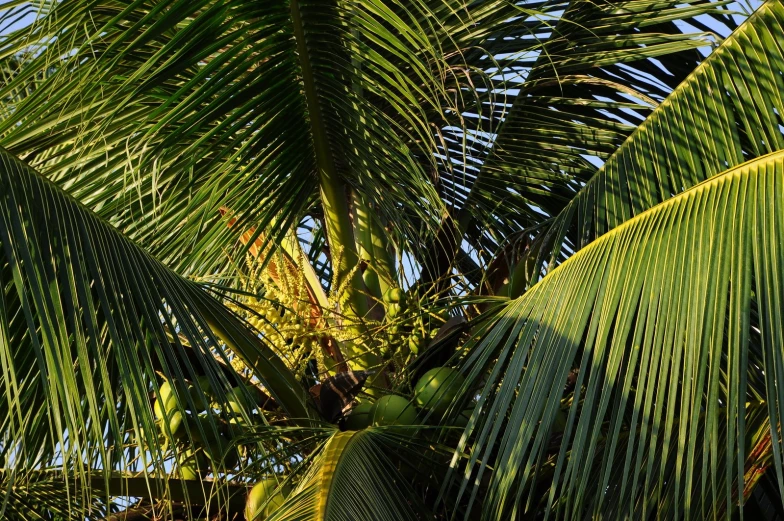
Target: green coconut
205, 430
158, 409
239, 425
237, 399
360, 417
204, 384
436, 389
216, 445
201, 402
415, 343
166, 400
394, 410
192, 465
394, 296
189, 472
167, 412
266, 494
393, 310
174, 420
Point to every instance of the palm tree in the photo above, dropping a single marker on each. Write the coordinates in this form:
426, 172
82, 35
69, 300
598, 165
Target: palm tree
404, 260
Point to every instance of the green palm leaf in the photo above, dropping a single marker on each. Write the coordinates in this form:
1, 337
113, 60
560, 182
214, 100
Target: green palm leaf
384, 142
181, 108
595, 74
159, 114
727, 112
87, 322
655, 317
43, 498
352, 479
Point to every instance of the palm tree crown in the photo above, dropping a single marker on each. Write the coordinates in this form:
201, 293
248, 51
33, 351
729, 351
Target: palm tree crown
391, 260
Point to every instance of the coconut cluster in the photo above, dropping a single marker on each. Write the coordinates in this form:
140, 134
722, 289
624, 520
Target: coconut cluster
281, 309
409, 325
284, 323
200, 428
433, 393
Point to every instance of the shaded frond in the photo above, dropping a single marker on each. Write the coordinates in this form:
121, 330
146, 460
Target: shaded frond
354, 478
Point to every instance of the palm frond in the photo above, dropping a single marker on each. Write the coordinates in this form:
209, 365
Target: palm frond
89, 324
156, 114
353, 478
593, 72
655, 319
46, 497
727, 112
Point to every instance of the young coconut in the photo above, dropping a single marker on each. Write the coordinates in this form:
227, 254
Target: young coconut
436, 389
264, 499
238, 399
201, 402
166, 400
394, 296
393, 310
174, 420
211, 439
166, 410
394, 410
360, 417
205, 430
416, 343
192, 465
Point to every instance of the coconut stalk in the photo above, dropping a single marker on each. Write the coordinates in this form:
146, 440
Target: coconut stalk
379, 269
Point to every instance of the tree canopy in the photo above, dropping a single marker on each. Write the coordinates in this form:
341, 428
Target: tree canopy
391, 260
